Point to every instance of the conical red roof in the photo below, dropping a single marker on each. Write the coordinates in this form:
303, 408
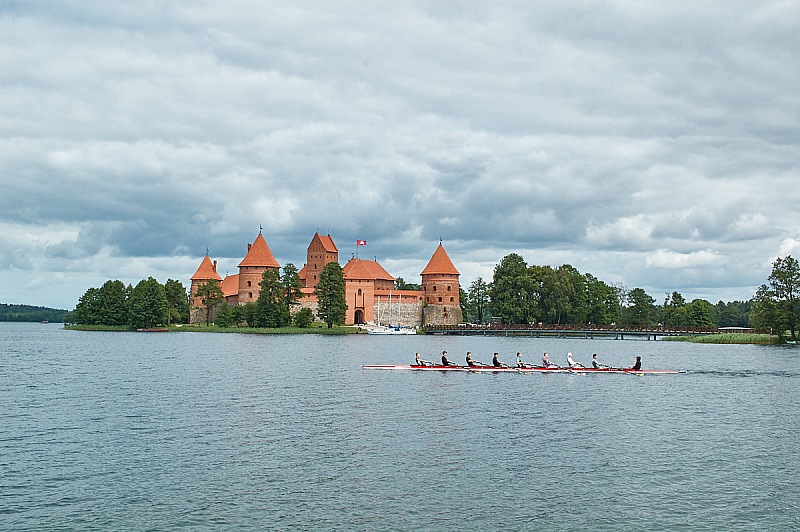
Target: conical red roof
440, 263
260, 255
206, 271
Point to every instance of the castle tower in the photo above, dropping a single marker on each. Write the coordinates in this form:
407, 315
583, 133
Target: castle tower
441, 291
207, 271
321, 251
259, 257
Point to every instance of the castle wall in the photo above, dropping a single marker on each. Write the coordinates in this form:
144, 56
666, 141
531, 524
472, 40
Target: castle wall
442, 315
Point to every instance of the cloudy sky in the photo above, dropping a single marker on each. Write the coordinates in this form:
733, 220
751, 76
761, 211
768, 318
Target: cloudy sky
651, 144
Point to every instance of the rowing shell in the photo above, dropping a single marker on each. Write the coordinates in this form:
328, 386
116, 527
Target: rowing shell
534, 369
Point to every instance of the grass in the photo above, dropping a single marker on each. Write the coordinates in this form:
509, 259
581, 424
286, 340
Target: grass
727, 338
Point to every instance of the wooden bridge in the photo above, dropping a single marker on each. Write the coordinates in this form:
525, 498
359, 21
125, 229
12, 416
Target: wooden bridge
616, 332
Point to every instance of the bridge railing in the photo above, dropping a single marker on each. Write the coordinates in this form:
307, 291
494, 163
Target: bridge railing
655, 329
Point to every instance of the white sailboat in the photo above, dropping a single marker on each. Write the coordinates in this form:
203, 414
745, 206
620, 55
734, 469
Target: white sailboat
389, 329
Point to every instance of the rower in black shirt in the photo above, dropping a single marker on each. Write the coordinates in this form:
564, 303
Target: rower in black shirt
638, 365
446, 362
471, 363
496, 363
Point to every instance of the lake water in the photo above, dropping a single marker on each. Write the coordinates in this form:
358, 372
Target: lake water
136, 431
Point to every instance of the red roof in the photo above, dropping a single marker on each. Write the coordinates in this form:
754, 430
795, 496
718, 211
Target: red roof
303, 273
440, 263
206, 271
259, 254
230, 285
327, 243
365, 269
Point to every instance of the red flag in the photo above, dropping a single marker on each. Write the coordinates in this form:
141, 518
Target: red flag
361, 242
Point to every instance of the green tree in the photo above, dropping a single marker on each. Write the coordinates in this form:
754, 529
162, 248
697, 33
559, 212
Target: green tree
148, 306
700, 313
272, 308
88, 309
777, 303
477, 301
640, 308
177, 302
304, 318
601, 302
225, 316
251, 314
512, 296
113, 304
292, 285
210, 294
331, 303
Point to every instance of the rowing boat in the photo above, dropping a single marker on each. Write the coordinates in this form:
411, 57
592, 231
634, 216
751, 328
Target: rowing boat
511, 369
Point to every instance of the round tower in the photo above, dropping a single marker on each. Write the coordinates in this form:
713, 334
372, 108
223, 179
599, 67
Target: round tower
441, 291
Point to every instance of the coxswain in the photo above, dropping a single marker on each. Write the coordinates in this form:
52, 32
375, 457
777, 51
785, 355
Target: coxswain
572, 363
638, 365
446, 362
496, 362
421, 362
546, 362
596, 364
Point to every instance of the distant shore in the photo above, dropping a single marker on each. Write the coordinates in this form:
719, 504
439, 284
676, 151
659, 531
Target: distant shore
314, 329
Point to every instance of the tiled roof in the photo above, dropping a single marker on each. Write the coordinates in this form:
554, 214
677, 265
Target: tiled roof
206, 271
327, 243
365, 269
440, 263
259, 254
230, 285
303, 273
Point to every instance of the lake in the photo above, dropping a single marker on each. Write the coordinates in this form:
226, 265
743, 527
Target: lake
170, 431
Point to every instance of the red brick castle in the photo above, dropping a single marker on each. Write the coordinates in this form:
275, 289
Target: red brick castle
369, 288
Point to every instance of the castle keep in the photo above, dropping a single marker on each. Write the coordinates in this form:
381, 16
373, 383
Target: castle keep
369, 289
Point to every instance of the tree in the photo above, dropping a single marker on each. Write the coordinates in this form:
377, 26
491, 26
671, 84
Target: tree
228, 316
700, 313
210, 294
640, 308
271, 306
291, 283
777, 304
113, 305
87, 311
148, 306
331, 303
601, 302
304, 318
177, 302
511, 291
477, 300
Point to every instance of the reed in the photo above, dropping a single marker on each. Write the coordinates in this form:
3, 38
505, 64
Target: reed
728, 338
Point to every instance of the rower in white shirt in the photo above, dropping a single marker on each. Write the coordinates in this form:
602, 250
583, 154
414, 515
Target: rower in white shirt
572, 363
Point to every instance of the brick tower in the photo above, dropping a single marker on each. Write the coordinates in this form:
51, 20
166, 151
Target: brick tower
259, 257
441, 291
321, 251
207, 271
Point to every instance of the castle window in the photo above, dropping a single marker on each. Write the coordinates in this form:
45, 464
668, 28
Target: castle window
440, 300
359, 291
250, 295
434, 288
448, 288
451, 300
249, 283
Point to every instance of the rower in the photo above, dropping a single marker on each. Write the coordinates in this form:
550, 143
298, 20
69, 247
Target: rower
520, 363
421, 362
638, 365
471, 363
496, 362
572, 363
596, 364
446, 362
546, 362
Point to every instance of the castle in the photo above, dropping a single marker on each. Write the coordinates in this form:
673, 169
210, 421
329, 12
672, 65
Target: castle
369, 289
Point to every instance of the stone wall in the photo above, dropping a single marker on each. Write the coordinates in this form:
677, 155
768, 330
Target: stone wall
442, 315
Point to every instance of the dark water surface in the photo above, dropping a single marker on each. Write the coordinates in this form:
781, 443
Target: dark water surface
135, 431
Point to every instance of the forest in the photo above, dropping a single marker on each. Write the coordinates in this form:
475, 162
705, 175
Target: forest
30, 313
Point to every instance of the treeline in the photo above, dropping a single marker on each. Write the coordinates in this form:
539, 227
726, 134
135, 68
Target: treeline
521, 293
148, 304
30, 313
